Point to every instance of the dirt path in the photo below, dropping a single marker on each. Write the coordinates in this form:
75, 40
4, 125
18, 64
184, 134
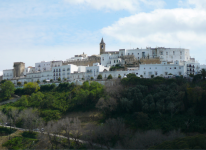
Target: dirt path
11, 100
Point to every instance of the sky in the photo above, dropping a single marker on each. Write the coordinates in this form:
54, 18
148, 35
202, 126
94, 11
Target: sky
35, 30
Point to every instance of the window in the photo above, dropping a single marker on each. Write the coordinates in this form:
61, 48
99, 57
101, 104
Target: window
180, 53
144, 68
117, 61
156, 73
150, 68
174, 67
114, 61
132, 54
180, 73
144, 73
161, 53
138, 57
128, 53
166, 53
138, 53
173, 52
165, 73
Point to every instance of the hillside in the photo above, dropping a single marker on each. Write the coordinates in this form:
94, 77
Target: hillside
131, 113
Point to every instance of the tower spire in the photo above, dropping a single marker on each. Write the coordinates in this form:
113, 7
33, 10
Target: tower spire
102, 41
102, 46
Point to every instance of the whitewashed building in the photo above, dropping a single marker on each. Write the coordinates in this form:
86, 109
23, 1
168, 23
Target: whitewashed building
8, 74
43, 66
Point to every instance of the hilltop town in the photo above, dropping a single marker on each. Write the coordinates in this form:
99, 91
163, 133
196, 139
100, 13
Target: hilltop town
146, 63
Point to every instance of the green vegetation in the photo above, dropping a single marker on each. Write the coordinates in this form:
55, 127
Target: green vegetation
135, 111
99, 76
6, 131
191, 142
38, 81
7, 89
53, 101
116, 67
109, 77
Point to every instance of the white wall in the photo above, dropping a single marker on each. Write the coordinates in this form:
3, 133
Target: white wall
8, 74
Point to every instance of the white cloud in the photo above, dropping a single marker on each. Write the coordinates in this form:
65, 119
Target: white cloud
200, 4
163, 27
130, 5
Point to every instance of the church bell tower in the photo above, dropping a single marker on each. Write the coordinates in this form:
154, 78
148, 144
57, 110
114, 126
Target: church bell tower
102, 46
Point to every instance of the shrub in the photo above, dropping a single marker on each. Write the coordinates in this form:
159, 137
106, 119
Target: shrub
44, 81
99, 76
59, 79
38, 81
109, 77
31, 87
152, 76
19, 83
51, 80
119, 76
25, 82
92, 78
82, 78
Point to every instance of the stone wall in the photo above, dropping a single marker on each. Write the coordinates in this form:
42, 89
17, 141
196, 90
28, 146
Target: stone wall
18, 69
89, 61
150, 61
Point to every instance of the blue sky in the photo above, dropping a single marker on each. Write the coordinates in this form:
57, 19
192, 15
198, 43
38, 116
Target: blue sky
35, 30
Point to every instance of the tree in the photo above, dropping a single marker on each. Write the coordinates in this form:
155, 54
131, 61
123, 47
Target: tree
82, 78
38, 81
3, 117
31, 88
44, 81
51, 80
19, 83
30, 119
59, 79
7, 89
119, 76
109, 77
23, 101
152, 76
65, 79
203, 72
99, 76
107, 105
92, 78
25, 82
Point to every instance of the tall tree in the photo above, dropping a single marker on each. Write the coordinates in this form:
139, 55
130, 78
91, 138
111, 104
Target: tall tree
203, 72
7, 89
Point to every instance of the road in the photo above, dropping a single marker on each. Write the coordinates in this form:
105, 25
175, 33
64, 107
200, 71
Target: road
61, 136
9, 101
